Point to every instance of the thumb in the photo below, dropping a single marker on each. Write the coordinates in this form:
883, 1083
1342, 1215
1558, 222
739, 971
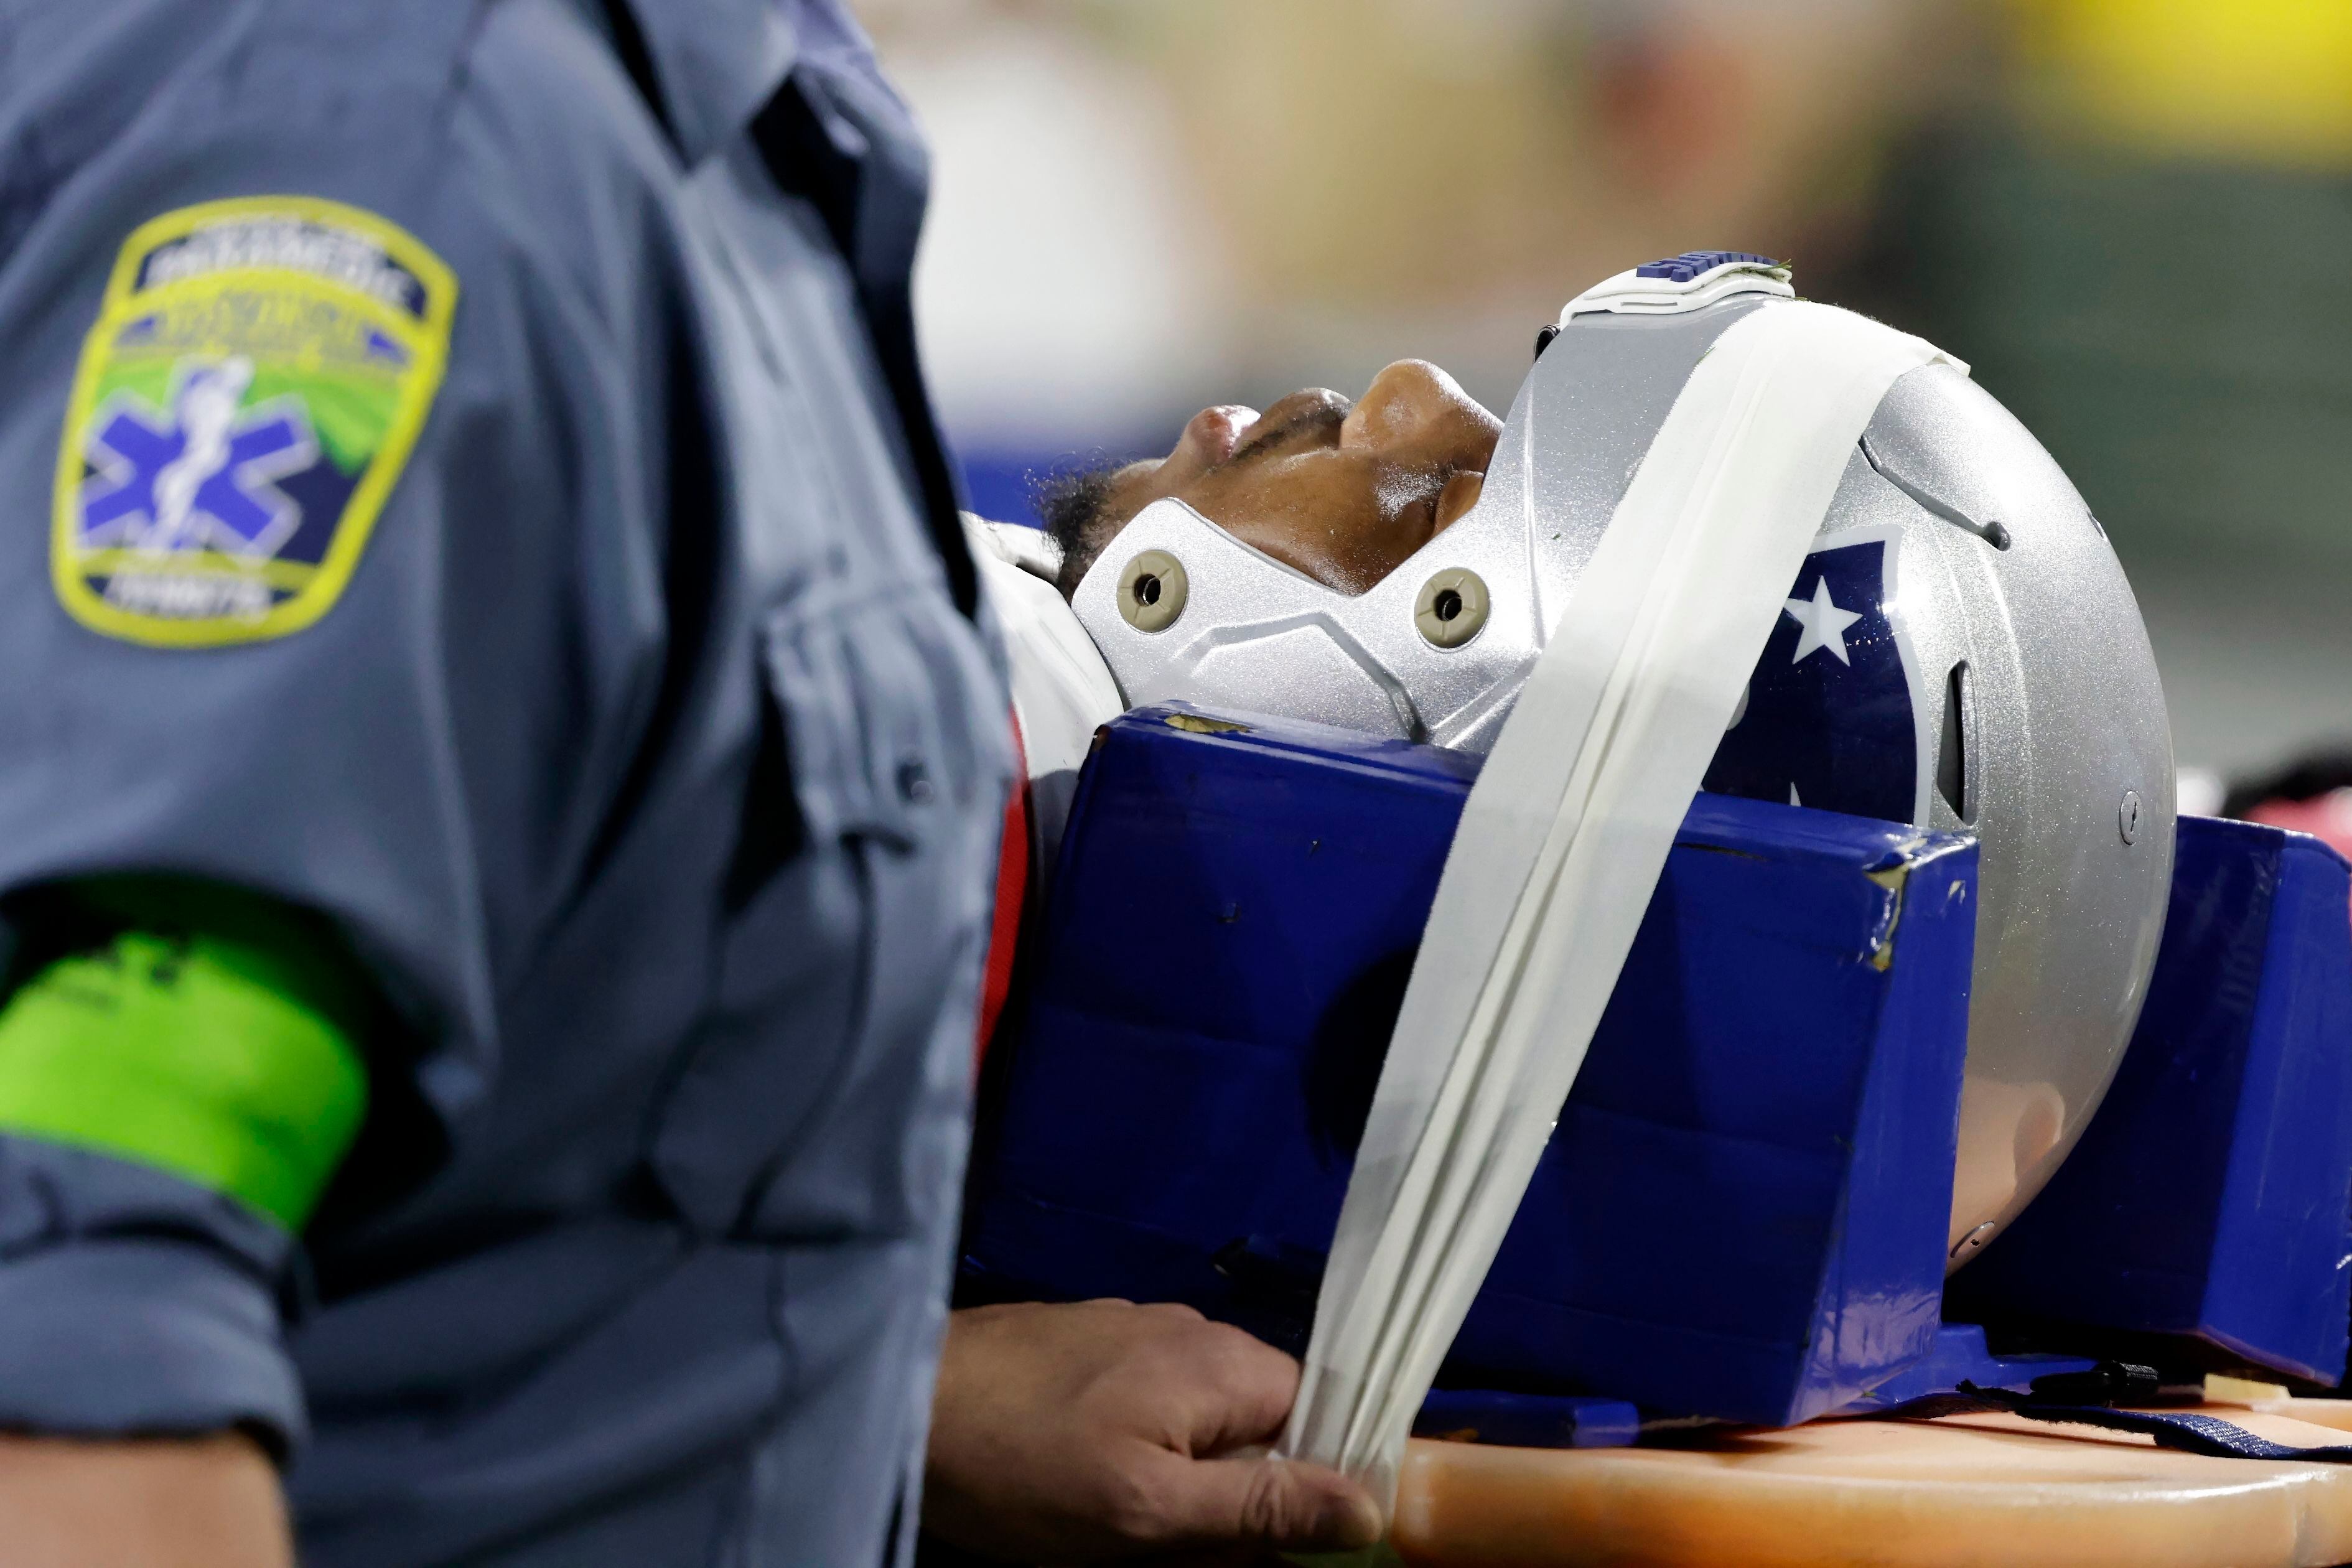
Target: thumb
1285, 1504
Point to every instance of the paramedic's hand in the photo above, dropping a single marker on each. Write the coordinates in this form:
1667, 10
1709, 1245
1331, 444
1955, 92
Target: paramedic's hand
1092, 1432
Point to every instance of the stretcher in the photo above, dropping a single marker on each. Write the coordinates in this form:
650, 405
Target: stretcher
1970, 1491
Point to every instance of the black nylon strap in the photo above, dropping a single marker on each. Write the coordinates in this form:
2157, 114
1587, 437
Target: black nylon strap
2079, 1399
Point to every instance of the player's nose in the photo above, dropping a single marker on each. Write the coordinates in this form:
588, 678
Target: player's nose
1414, 412
1210, 436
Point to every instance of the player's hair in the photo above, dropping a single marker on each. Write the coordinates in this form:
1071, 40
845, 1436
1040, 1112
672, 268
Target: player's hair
1075, 507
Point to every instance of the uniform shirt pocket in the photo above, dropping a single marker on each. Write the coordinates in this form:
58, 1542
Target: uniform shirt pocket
807, 1104
878, 710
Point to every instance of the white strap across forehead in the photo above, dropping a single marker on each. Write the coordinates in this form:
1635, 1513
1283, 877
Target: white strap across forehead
1561, 845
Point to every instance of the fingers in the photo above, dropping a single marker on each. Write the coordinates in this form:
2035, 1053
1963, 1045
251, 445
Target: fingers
1197, 1387
1275, 1504
1243, 1387
1091, 1432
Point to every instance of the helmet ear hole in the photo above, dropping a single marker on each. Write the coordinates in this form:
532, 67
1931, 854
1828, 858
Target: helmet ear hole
1451, 607
1955, 779
1153, 589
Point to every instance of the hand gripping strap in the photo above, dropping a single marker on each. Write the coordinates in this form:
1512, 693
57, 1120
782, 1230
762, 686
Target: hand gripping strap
1561, 846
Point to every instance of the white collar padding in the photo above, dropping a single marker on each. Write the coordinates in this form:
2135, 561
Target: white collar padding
1062, 689
1561, 846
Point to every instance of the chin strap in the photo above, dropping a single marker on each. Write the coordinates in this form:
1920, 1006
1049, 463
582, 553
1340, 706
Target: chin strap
2088, 1399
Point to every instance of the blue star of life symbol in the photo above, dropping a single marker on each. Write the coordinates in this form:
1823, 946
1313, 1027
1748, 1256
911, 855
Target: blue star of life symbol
200, 477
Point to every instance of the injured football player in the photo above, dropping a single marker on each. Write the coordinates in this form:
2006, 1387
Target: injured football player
1955, 651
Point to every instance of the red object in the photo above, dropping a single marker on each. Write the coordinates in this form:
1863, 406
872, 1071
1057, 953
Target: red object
2328, 817
1011, 894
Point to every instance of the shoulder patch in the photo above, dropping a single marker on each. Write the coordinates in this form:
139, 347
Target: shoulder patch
256, 380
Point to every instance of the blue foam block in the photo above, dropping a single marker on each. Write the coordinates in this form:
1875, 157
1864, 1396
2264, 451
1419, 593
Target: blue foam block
2209, 1197
1742, 1212
1528, 1420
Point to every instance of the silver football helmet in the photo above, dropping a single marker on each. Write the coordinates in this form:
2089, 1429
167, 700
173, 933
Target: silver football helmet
1961, 651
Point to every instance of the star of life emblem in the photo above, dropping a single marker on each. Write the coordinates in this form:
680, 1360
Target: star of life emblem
192, 480
245, 403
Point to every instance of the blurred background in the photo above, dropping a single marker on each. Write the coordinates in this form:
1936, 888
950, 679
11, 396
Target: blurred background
2134, 217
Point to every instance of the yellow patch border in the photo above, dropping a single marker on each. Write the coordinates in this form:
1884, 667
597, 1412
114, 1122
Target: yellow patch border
427, 342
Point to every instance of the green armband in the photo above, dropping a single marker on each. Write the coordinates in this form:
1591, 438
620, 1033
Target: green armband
218, 1055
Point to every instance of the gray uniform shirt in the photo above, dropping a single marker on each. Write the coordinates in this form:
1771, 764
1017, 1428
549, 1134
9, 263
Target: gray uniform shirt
650, 758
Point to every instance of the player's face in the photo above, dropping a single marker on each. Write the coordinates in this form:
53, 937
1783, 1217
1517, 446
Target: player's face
1343, 491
